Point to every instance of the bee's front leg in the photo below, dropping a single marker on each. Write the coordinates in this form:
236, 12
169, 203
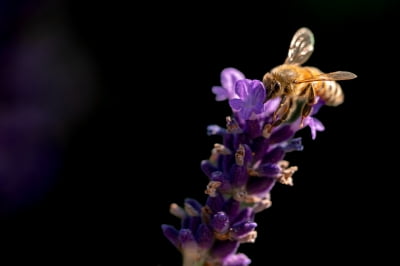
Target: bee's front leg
285, 111
280, 115
280, 107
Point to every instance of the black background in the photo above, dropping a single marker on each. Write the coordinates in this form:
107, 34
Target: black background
140, 149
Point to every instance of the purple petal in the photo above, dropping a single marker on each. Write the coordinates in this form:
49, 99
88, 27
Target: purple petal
258, 91
318, 125
258, 108
271, 105
317, 106
171, 234
242, 88
245, 113
236, 104
221, 249
315, 125
221, 93
236, 260
229, 77
220, 222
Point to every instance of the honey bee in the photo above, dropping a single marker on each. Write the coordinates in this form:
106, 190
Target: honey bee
299, 86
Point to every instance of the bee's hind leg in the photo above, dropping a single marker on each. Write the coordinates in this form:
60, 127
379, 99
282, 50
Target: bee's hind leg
307, 108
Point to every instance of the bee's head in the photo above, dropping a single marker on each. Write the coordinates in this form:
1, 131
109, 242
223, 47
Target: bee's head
272, 85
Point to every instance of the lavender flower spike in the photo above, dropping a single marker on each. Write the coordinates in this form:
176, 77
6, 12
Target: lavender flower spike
242, 172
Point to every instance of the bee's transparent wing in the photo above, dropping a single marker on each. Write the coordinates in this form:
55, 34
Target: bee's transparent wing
337, 75
301, 47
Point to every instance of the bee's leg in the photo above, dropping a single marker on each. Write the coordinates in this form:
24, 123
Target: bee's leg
279, 109
285, 113
279, 116
310, 96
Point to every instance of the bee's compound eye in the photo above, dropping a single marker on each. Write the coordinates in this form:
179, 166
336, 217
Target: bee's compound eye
276, 86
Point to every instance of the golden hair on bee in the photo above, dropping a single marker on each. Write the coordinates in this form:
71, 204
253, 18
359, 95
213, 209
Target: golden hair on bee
299, 86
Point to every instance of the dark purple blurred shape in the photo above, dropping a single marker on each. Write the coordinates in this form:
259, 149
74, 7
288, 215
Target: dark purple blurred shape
46, 87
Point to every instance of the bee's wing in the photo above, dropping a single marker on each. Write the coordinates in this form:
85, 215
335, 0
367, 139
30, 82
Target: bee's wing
338, 75
301, 47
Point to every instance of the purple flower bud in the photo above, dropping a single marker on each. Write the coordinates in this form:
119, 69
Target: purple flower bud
191, 222
239, 175
192, 207
293, 145
253, 128
215, 130
208, 168
219, 177
186, 222
186, 238
204, 236
171, 234
221, 249
241, 229
259, 185
246, 153
232, 208
281, 134
215, 203
236, 260
269, 170
260, 147
273, 156
245, 215
220, 222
